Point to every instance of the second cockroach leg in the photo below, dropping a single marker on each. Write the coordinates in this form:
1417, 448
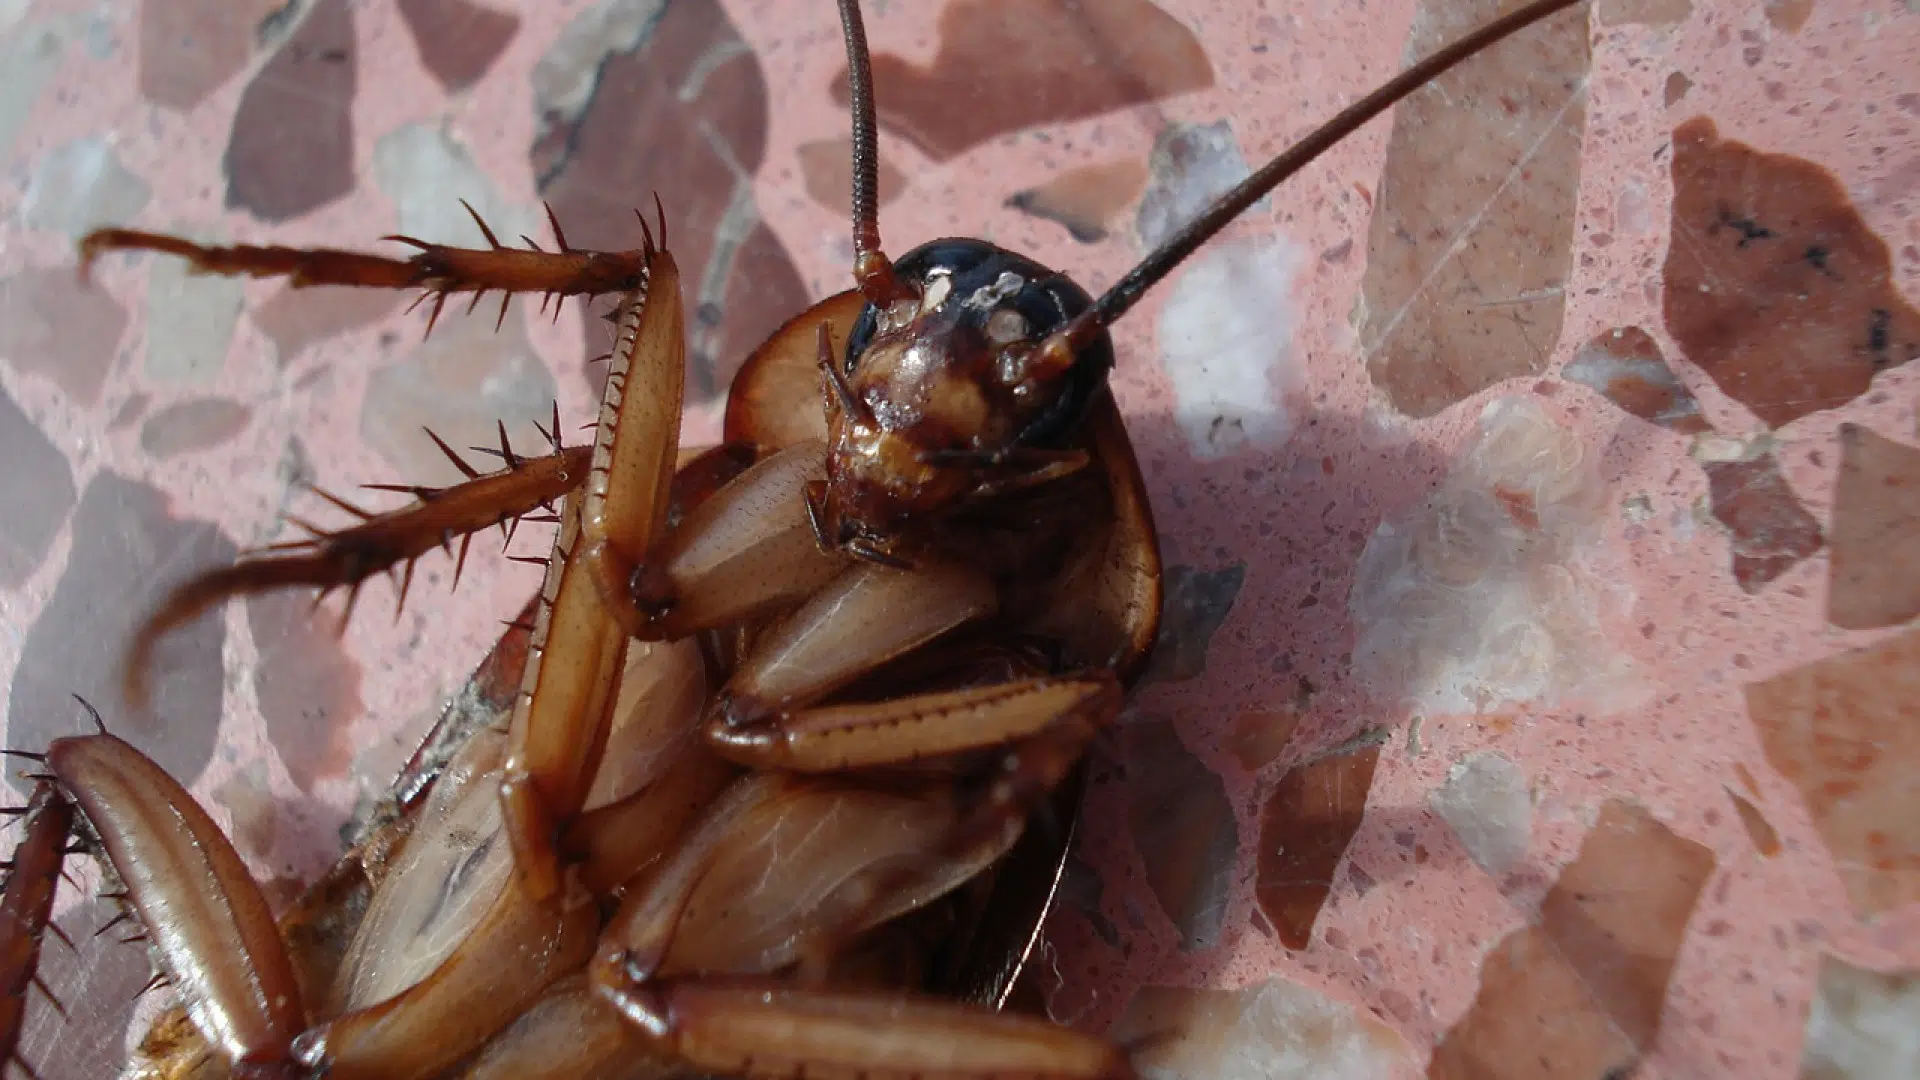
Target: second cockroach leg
609, 528
26, 907
768, 1029
345, 558
206, 920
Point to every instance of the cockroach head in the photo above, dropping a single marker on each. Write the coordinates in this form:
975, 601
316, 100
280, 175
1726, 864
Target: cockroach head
945, 393
968, 371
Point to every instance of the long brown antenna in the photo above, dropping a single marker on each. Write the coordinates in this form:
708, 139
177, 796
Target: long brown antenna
871, 267
1125, 292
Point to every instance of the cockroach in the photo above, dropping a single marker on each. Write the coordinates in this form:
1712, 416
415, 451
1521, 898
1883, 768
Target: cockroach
26, 907
787, 705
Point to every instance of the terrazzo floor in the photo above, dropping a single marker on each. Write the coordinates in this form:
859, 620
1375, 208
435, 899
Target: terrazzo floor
1538, 473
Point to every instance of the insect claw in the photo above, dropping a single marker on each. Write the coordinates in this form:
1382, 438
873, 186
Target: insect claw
117, 919
54, 928
25, 755
528, 240
530, 560
501, 320
660, 211
518, 624
409, 241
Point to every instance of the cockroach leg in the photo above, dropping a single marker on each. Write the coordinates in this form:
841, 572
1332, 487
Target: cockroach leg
346, 558
747, 552
438, 269
26, 908
858, 775
903, 730
206, 921
866, 616
768, 1029
571, 1033
610, 528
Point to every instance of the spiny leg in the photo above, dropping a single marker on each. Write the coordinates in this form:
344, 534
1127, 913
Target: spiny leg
26, 907
587, 613
346, 558
208, 923
438, 269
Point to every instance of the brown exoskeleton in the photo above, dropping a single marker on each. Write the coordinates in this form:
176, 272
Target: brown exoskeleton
787, 704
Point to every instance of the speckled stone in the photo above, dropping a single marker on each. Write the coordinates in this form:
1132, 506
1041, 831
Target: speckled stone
36, 486
1274, 430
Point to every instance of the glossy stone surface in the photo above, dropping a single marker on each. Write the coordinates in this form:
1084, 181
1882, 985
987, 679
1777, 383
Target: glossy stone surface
1536, 472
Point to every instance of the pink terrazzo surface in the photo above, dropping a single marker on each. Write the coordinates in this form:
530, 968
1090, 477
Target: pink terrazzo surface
1322, 458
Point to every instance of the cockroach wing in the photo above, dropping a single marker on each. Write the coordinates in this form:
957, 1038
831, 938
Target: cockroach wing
657, 773
814, 856
439, 888
663, 689
1106, 609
